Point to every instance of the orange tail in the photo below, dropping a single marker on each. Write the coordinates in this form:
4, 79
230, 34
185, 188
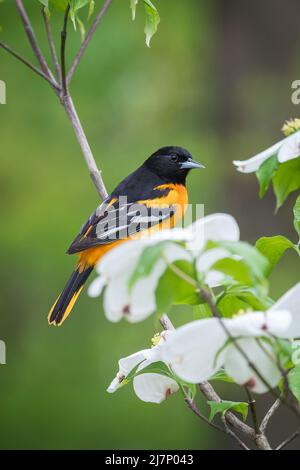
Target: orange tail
65, 302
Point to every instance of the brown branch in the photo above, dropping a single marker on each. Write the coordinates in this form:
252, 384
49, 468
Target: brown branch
87, 40
33, 42
51, 44
233, 435
85, 147
288, 440
29, 64
269, 415
166, 322
192, 406
209, 392
63, 52
252, 407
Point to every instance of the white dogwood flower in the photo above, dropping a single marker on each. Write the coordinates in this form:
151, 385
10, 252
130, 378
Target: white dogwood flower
149, 386
198, 349
117, 267
286, 149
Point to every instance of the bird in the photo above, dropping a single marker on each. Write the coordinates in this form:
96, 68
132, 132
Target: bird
153, 197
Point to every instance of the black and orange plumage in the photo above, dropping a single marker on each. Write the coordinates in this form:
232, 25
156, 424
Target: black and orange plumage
157, 185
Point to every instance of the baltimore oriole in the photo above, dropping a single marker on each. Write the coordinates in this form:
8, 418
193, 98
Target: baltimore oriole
157, 187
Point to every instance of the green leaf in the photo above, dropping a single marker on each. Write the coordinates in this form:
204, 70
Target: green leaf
81, 28
236, 269
156, 368
60, 5
174, 290
294, 381
133, 4
265, 174
44, 2
91, 9
152, 18
273, 248
146, 262
239, 298
286, 180
229, 305
201, 311
296, 211
222, 377
224, 405
256, 261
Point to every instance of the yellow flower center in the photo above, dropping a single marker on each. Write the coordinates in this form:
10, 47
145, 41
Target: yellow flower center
156, 339
291, 126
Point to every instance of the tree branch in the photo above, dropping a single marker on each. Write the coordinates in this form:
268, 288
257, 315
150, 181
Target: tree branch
51, 45
32, 39
85, 147
29, 65
209, 392
252, 407
269, 415
288, 440
63, 52
233, 435
87, 40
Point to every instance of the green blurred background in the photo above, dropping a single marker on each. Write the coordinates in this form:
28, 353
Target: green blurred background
216, 80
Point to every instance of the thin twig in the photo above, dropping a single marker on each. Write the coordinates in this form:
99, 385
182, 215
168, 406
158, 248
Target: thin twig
34, 44
269, 415
87, 40
166, 322
233, 435
28, 64
63, 52
252, 406
85, 147
288, 440
51, 44
209, 392
191, 404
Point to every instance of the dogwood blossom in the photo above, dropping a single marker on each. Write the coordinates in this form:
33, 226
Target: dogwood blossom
117, 267
198, 349
286, 149
149, 387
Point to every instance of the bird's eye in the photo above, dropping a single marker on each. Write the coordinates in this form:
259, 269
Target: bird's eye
174, 158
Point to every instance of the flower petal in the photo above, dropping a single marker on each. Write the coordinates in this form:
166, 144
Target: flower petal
259, 323
290, 301
290, 148
96, 287
154, 388
252, 164
237, 367
191, 350
126, 365
116, 300
118, 259
215, 227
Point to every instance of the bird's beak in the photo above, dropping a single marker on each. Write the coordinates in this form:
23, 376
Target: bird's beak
190, 164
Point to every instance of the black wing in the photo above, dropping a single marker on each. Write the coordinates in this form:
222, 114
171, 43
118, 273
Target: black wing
115, 220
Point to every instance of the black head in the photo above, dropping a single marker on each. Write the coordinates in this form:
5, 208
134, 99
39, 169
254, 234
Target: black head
172, 164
